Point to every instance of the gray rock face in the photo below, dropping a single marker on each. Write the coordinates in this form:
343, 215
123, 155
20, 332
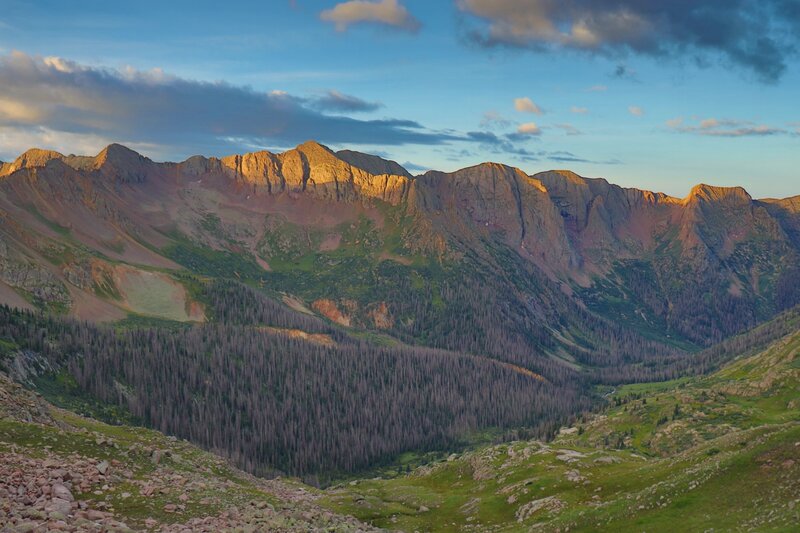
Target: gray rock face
102, 467
26, 365
59, 490
58, 505
21, 273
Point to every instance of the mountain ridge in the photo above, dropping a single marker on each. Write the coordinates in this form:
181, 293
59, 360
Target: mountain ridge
116, 153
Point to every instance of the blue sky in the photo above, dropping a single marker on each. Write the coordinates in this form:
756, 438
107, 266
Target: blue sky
643, 96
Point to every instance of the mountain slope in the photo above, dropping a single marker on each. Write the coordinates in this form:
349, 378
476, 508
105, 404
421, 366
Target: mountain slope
720, 451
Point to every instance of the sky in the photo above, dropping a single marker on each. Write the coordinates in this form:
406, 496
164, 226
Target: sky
654, 94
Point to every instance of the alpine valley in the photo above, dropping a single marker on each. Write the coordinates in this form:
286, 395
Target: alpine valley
320, 340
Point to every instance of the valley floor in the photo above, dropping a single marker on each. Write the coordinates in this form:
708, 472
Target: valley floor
719, 453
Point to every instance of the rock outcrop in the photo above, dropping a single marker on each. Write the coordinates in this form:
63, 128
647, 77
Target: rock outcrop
491, 198
310, 169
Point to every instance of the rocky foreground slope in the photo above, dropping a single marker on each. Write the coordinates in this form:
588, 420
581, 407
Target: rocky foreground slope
63, 472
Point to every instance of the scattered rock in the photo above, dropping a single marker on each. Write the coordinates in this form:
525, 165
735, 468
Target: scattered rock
551, 504
61, 491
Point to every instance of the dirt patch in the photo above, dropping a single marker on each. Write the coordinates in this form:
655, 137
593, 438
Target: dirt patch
331, 311
330, 242
525, 372
735, 289
263, 264
316, 338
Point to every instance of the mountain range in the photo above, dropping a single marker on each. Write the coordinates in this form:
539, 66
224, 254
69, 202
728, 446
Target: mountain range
502, 350
101, 237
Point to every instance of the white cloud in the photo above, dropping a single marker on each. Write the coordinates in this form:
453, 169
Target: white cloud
578, 110
526, 105
385, 12
597, 89
713, 127
529, 128
675, 122
636, 111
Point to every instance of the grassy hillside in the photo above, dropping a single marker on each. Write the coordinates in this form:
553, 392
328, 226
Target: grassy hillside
719, 452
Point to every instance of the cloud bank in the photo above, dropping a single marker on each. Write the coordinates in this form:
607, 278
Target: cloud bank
59, 104
757, 35
53, 95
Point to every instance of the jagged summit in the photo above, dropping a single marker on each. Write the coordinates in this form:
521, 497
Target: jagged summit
485, 170
115, 160
713, 193
35, 157
372, 163
120, 162
313, 147
118, 153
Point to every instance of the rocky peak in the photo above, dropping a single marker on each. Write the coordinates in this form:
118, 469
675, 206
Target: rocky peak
715, 219
704, 193
373, 164
791, 204
561, 178
313, 169
485, 175
33, 158
122, 163
197, 165
313, 149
